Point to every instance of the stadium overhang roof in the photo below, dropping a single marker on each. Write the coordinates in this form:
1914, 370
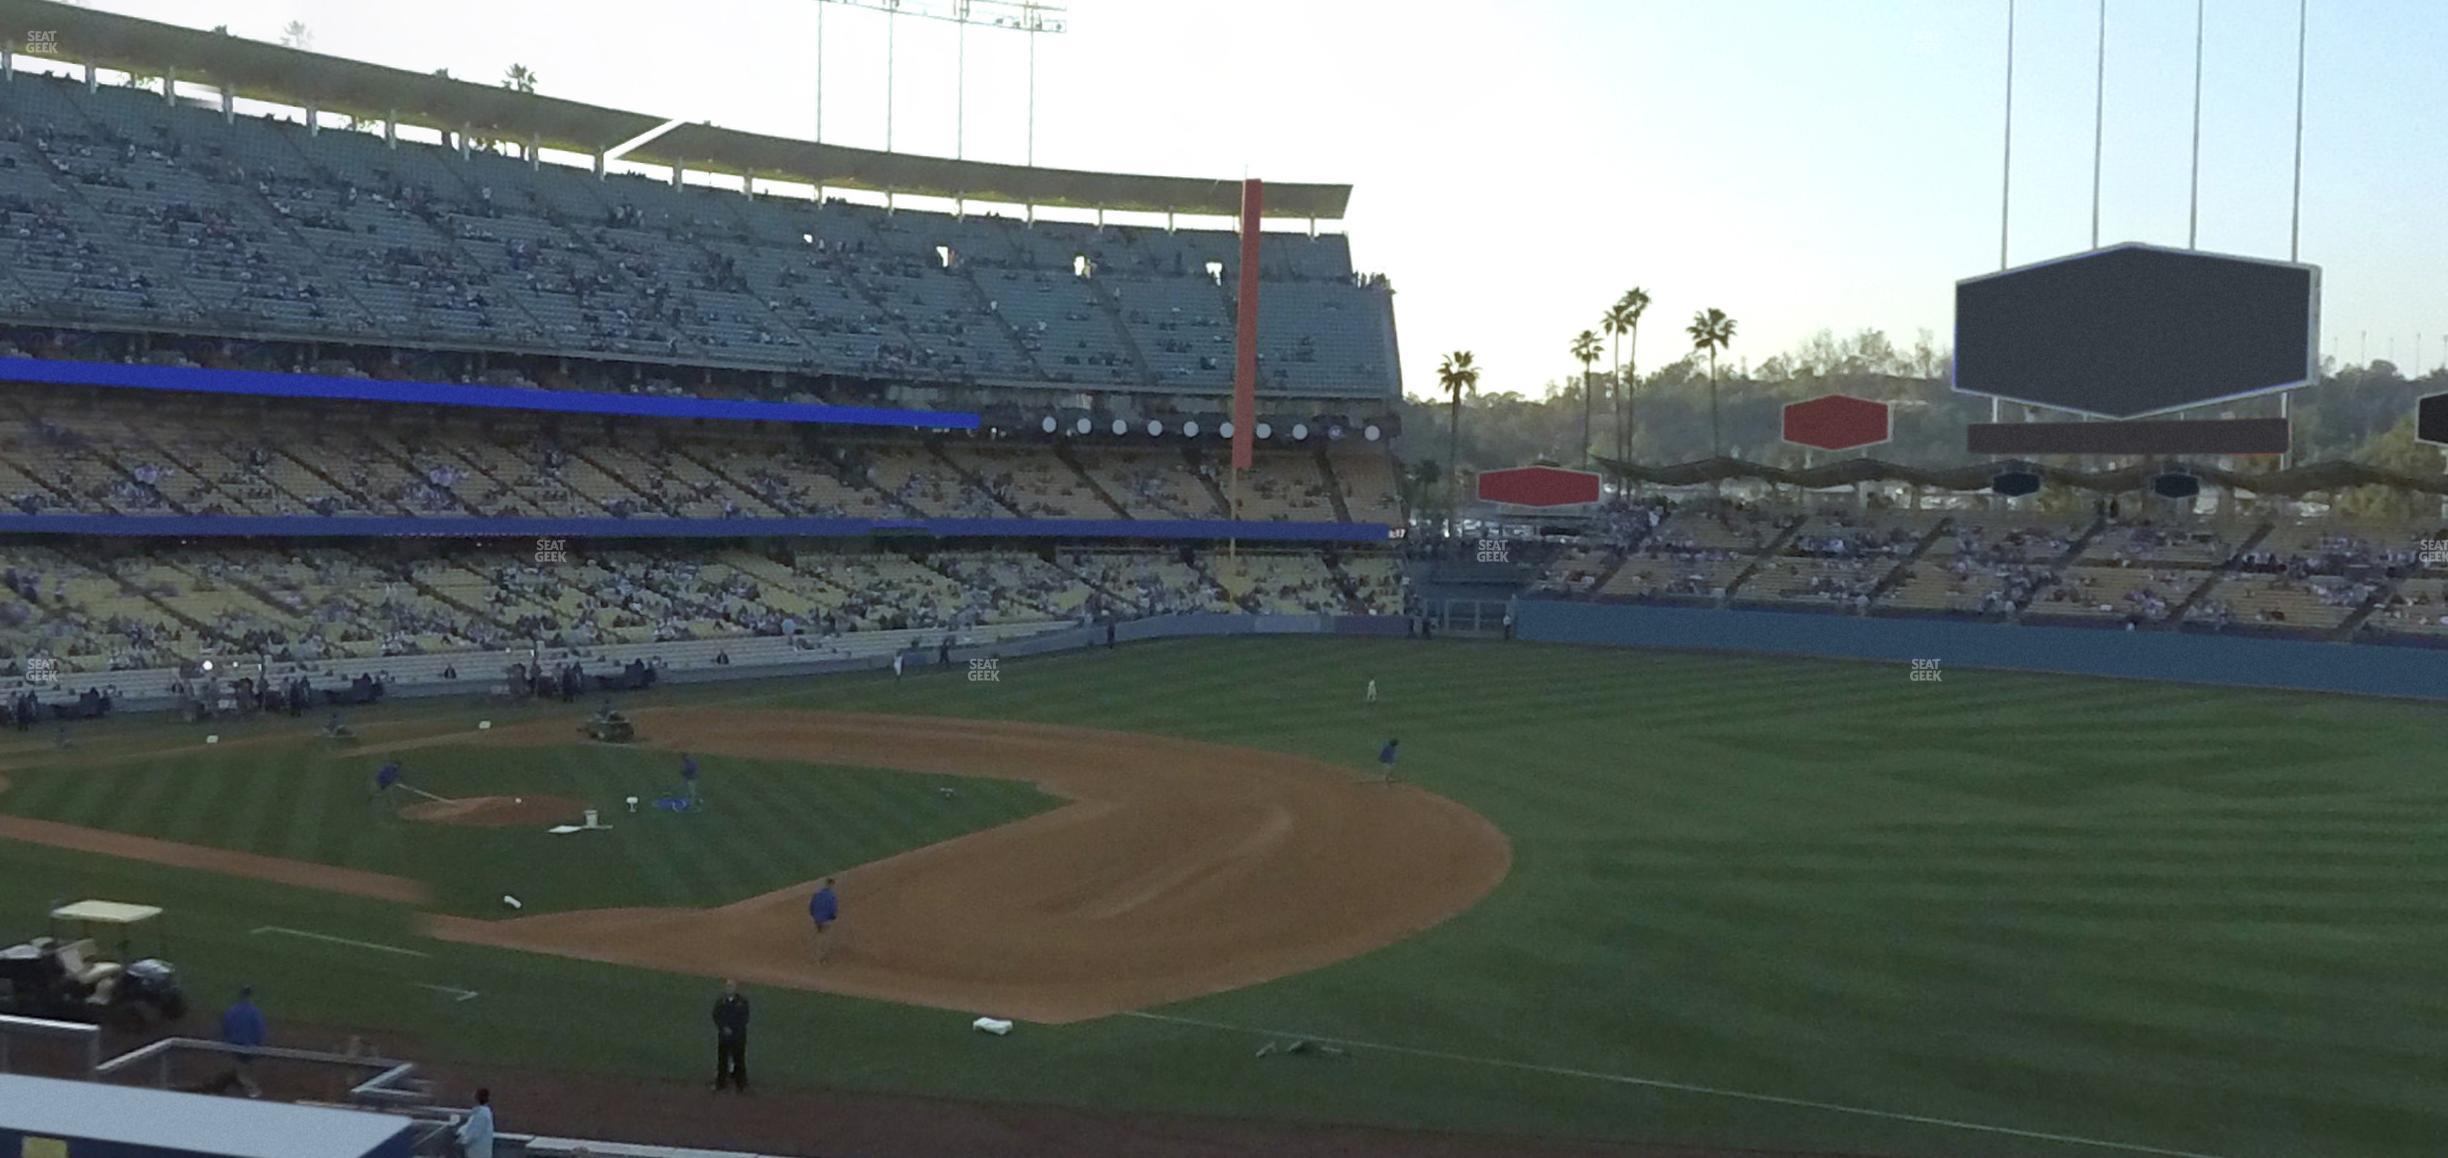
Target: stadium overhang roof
289, 76
835, 166
280, 75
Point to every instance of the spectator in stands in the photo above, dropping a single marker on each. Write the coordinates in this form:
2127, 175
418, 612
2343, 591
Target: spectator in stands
242, 1025
476, 1134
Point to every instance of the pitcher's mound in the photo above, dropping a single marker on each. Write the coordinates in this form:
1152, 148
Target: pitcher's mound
498, 811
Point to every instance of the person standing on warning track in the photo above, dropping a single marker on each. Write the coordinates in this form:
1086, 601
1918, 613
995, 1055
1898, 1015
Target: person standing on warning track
1385, 759
898, 658
824, 908
731, 1039
1372, 691
688, 776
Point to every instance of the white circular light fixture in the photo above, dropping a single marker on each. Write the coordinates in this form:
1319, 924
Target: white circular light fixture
1154, 428
1190, 428
1371, 432
1084, 425
1265, 431
1048, 425
1121, 426
1225, 430
1300, 432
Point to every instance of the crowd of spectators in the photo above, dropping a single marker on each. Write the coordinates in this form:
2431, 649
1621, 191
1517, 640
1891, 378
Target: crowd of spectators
2227, 572
81, 610
121, 207
67, 450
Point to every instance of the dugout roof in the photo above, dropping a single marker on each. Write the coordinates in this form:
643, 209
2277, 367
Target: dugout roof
288, 76
99, 1117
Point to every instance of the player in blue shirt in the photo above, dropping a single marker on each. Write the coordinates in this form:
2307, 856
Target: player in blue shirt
385, 778
688, 775
824, 908
1385, 759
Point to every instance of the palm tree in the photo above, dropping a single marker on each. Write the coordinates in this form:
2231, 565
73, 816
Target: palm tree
1457, 374
1624, 318
295, 34
1585, 351
1711, 331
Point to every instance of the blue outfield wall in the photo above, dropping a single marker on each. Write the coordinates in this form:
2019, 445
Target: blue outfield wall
2359, 669
276, 384
530, 527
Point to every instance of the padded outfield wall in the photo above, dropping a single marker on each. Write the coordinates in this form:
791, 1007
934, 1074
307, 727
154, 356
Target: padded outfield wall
2357, 669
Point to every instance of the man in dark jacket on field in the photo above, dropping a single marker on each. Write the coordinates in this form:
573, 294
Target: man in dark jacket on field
731, 1039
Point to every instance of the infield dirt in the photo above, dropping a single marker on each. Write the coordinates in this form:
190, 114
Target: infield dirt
1177, 869
497, 811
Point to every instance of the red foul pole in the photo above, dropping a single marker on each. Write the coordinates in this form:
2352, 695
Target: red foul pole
1245, 333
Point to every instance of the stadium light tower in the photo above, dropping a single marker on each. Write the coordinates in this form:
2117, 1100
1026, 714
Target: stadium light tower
1027, 16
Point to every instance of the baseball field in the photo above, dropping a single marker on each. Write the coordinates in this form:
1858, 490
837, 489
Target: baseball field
1616, 897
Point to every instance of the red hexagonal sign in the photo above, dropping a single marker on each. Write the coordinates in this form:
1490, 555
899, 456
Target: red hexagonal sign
1836, 422
1538, 486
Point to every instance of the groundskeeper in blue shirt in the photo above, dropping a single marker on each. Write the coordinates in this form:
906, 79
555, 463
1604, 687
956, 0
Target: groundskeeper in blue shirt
243, 1024
824, 908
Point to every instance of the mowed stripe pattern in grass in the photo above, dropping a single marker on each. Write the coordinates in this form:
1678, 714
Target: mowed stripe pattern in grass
2201, 918
765, 825
2187, 918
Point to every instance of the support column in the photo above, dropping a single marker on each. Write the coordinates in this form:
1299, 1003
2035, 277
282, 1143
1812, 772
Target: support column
170, 88
391, 130
678, 169
8, 63
229, 106
599, 166
93, 82
535, 157
463, 142
314, 120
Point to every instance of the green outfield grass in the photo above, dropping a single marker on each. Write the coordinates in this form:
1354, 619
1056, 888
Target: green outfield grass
2188, 919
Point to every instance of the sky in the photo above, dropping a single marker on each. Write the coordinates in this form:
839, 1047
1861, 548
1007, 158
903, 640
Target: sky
1518, 164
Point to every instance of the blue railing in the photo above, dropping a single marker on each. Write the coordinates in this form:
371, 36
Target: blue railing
273, 384
532, 527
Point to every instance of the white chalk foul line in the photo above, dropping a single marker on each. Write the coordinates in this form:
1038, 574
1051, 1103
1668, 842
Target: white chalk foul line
340, 941
1685, 1087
